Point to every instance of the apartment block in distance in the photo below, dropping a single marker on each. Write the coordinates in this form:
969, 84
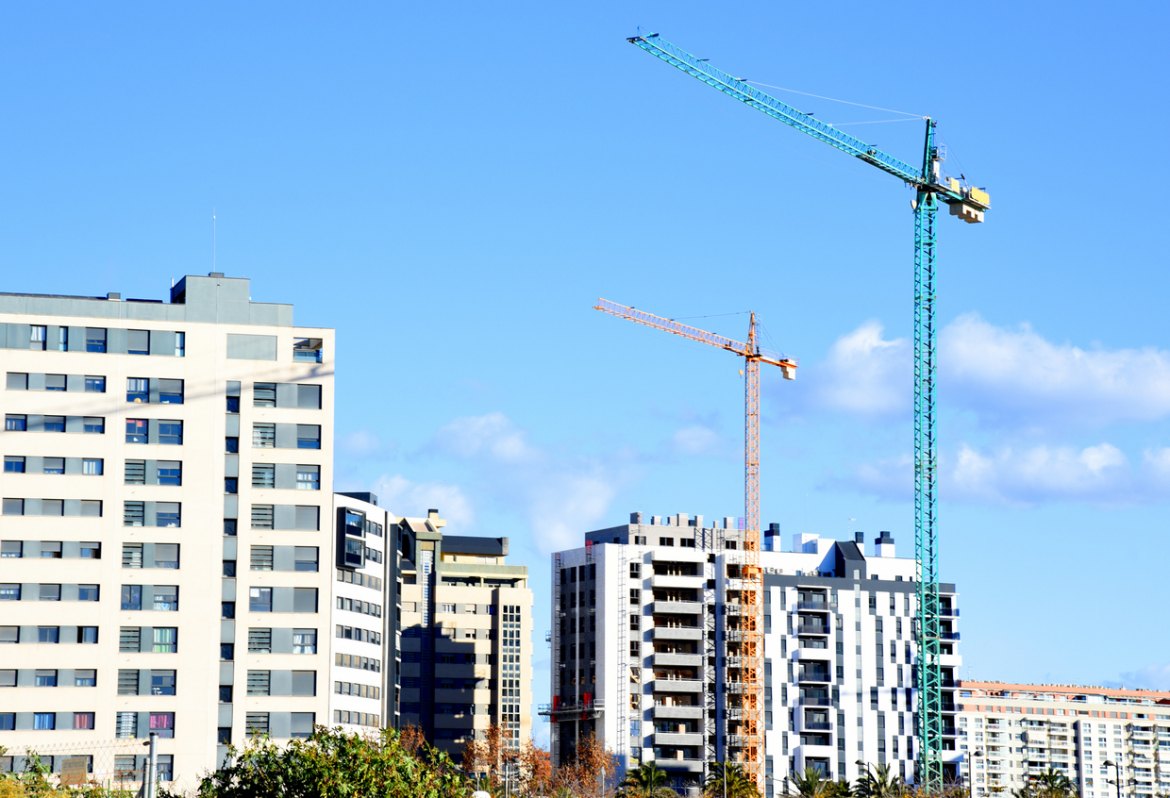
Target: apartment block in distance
646, 651
1108, 742
466, 637
167, 531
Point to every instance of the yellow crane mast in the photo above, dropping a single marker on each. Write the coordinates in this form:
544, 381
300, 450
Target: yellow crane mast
744, 733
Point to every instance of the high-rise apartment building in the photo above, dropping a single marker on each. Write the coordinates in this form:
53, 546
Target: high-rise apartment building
168, 554
1108, 742
646, 651
466, 636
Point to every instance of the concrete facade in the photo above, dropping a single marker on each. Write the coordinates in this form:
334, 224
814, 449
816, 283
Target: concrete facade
466, 637
1010, 732
645, 650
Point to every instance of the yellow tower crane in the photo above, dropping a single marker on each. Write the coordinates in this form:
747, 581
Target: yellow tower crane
743, 734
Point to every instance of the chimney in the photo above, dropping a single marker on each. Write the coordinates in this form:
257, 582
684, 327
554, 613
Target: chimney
884, 545
635, 518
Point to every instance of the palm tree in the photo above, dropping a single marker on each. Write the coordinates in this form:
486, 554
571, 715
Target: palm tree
728, 780
879, 782
648, 781
810, 784
1049, 784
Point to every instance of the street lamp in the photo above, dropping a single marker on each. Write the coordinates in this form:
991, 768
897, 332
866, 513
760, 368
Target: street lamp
1116, 775
976, 754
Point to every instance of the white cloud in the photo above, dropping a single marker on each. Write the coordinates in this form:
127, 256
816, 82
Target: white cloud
1035, 473
1151, 677
1017, 371
404, 497
695, 439
564, 506
865, 373
360, 443
493, 435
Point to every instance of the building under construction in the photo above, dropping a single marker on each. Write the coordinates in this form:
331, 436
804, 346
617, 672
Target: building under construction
647, 651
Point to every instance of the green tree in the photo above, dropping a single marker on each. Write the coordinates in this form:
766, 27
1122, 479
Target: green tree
730, 775
335, 764
647, 781
1049, 784
810, 784
879, 781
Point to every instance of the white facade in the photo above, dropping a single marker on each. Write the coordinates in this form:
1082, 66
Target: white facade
645, 651
1095, 736
167, 526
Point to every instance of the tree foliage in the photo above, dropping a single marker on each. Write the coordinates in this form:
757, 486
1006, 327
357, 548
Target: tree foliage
729, 779
646, 781
879, 781
592, 771
1049, 784
335, 764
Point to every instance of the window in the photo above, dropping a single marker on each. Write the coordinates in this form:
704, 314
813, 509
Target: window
131, 597
36, 338
45, 678
54, 423
14, 507
48, 634
138, 342
259, 641
170, 392
15, 423
165, 766
162, 682
44, 721
136, 430
13, 464
264, 394
51, 549
308, 477
304, 683
170, 432
180, 344
7, 721
131, 555
95, 384
166, 598
83, 720
137, 390
168, 514
89, 550
93, 466
231, 485
256, 724
306, 558
227, 651
261, 514
166, 555
307, 350
8, 678
53, 465
264, 475
126, 725
259, 682
130, 639
11, 550
263, 436
229, 568
233, 404
88, 592
308, 517
166, 640
85, 678
95, 339
50, 592
304, 599
309, 397
87, 635
308, 436
170, 472
93, 425
260, 599
225, 695
128, 681
135, 472
227, 610
54, 382
231, 444
54, 507
9, 592
133, 513
91, 508
261, 558
17, 381
304, 641
231, 527
62, 339
163, 724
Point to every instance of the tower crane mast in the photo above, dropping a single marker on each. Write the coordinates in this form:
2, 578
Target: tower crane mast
967, 203
748, 580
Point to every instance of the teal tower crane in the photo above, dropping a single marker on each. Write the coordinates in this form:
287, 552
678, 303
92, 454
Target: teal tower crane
967, 203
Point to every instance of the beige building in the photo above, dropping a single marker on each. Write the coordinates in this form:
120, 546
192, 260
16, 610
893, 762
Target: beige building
1108, 742
167, 558
466, 636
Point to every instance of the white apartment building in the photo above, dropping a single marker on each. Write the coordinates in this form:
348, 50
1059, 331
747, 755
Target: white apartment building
466, 637
1108, 742
168, 553
645, 651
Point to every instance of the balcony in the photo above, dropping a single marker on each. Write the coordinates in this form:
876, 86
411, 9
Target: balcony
666, 580
811, 629
662, 659
678, 607
677, 712
686, 765
813, 675
807, 653
812, 606
815, 698
677, 633
678, 686
678, 738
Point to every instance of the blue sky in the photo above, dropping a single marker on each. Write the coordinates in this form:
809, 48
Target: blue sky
451, 186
